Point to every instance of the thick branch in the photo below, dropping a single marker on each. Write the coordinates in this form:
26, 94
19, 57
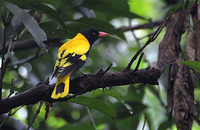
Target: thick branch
88, 83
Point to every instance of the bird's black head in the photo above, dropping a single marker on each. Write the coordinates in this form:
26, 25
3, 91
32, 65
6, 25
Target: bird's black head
92, 34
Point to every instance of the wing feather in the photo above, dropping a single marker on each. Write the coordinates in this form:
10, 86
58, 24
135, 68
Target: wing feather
72, 69
72, 56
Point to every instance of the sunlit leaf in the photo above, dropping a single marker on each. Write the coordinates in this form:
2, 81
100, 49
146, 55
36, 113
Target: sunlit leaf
144, 8
197, 94
113, 94
192, 64
94, 104
29, 22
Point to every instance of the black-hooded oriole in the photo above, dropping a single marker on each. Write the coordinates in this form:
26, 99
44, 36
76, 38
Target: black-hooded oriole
71, 57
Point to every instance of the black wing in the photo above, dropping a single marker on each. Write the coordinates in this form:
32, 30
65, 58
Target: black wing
69, 63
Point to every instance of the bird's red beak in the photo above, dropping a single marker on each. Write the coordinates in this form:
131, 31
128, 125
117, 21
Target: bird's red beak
102, 34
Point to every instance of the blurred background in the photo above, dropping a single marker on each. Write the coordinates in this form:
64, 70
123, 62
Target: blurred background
130, 23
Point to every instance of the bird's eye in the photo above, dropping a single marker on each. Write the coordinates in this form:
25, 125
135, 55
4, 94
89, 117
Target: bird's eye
94, 34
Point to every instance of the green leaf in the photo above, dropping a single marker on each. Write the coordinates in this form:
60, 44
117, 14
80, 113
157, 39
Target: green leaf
197, 94
75, 27
50, 12
94, 104
179, 5
39, 6
71, 126
52, 30
112, 7
113, 94
192, 64
30, 24
15, 23
83, 23
145, 8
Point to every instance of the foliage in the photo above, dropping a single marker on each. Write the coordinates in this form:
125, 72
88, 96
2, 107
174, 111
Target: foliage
120, 107
192, 64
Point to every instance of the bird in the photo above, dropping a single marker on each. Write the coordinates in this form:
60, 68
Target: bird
71, 57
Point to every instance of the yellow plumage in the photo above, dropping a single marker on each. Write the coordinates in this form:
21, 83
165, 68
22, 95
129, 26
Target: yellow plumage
78, 45
64, 80
69, 53
72, 56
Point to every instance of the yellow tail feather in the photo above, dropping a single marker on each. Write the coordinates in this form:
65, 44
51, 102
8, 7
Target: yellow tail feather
65, 82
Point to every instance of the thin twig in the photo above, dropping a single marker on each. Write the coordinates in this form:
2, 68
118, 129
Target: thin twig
136, 39
151, 39
2, 74
2, 61
12, 88
143, 26
137, 66
3, 67
48, 109
144, 122
140, 45
5, 119
11, 114
22, 33
9, 18
30, 58
10, 48
37, 112
148, 35
138, 42
93, 122
102, 73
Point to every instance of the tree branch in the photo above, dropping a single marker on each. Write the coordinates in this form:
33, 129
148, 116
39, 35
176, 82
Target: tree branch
144, 26
27, 44
21, 45
2, 61
151, 39
90, 82
37, 112
28, 59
